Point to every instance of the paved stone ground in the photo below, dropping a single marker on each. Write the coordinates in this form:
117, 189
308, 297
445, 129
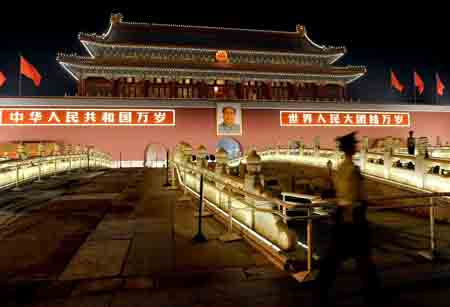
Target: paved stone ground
120, 239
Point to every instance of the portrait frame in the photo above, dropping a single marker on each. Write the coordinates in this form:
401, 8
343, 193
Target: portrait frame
221, 128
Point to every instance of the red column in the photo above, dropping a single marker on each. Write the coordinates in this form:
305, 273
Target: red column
83, 87
114, 88
79, 89
173, 89
270, 86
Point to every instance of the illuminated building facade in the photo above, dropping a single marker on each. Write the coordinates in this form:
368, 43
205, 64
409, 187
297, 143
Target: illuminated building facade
172, 61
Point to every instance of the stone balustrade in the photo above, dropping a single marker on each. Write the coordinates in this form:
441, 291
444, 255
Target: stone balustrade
423, 170
249, 205
20, 164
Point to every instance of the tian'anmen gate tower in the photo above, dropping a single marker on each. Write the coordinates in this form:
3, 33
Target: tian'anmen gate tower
153, 84
174, 61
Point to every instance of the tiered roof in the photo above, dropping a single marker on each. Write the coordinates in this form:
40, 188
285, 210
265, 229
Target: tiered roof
189, 51
185, 36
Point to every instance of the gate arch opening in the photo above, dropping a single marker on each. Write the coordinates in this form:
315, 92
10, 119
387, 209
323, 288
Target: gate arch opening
231, 146
155, 155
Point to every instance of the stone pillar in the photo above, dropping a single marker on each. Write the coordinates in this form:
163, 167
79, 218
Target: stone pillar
251, 180
363, 153
291, 147
221, 161
187, 152
388, 143
201, 157
420, 165
21, 151
178, 153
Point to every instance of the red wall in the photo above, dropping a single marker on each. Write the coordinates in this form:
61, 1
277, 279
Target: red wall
197, 126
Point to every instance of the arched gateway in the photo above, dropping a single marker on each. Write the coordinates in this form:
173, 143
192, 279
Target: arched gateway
155, 155
231, 146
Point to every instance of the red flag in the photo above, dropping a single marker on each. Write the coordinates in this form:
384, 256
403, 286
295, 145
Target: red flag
395, 83
2, 79
30, 71
439, 86
418, 82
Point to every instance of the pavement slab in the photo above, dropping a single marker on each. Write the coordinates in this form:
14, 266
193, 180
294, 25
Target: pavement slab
97, 259
113, 229
150, 253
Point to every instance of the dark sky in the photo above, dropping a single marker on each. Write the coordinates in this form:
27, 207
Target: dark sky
381, 36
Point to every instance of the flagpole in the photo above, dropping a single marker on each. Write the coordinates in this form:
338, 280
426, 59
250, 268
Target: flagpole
414, 87
435, 89
389, 84
20, 75
436, 85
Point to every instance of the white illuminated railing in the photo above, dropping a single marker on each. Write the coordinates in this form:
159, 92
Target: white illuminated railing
396, 168
16, 172
252, 212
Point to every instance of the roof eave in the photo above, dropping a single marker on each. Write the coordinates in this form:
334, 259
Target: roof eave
347, 79
67, 68
101, 43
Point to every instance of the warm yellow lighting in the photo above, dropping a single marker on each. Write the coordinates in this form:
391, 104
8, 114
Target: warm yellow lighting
222, 56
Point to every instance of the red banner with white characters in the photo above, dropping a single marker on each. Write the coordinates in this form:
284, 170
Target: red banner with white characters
345, 119
86, 117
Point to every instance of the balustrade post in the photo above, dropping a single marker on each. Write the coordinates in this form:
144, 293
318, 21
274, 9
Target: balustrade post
230, 236
69, 150
40, 151
316, 153
55, 154
21, 156
420, 163
363, 154
252, 177
221, 161
301, 150
201, 157
184, 154
387, 157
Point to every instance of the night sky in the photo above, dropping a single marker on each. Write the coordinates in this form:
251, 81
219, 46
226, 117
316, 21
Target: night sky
380, 36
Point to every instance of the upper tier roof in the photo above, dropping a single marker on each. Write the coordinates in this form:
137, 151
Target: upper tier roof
125, 33
190, 65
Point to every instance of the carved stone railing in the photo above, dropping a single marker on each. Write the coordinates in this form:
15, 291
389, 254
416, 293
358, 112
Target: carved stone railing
253, 211
418, 171
16, 171
256, 212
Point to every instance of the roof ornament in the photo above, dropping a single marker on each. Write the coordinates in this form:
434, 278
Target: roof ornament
301, 29
116, 18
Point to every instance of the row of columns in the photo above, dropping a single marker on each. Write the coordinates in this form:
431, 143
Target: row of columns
260, 90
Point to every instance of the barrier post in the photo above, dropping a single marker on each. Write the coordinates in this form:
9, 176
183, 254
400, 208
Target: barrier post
230, 236
432, 253
309, 241
167, 184
17, 188
432, 233
200, 237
